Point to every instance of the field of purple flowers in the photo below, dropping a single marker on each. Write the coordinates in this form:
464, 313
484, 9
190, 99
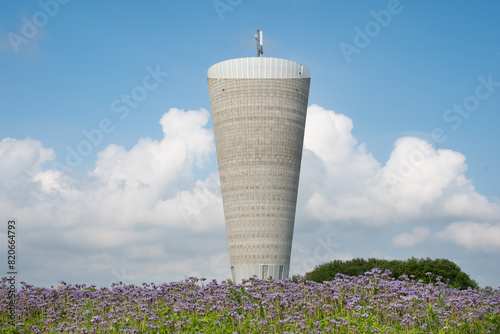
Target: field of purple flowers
372, 303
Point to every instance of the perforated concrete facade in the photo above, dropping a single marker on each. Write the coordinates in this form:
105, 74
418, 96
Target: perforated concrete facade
259, 119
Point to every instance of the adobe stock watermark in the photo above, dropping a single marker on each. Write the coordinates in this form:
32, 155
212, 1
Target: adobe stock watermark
363, 36
453, 116
31, 27
122, 107
209, 192
223, 6
322, 253
121, 277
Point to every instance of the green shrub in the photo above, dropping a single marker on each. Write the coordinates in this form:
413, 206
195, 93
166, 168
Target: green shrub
420, 268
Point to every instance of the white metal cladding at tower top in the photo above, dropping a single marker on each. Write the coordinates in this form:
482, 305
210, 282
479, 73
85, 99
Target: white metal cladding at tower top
259, 108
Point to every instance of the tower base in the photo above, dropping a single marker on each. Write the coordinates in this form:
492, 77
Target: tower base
262, 271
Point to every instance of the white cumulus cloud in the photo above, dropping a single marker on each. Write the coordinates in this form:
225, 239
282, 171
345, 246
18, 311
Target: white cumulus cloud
418, 235
136, 204
418, 182
473, 236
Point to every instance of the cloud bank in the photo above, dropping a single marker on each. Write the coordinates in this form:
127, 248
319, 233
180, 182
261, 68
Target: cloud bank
418, 182
144, 215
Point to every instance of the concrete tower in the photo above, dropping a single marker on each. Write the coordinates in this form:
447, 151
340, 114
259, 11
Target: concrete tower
259, 110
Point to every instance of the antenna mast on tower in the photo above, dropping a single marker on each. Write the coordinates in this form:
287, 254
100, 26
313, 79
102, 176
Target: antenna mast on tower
259, 38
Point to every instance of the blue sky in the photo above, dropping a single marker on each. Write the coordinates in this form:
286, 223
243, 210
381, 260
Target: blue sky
386, 75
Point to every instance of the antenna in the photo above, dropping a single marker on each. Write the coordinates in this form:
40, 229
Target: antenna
259, 37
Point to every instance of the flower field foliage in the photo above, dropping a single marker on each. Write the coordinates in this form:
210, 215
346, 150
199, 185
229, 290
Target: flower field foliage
369, 303
418, 268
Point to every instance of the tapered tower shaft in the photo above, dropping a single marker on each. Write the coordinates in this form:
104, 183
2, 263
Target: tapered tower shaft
259, 110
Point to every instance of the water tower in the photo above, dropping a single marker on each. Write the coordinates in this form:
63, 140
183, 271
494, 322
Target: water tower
259, 107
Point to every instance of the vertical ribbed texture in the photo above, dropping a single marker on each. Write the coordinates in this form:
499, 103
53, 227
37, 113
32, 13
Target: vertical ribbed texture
259, 132
258, 68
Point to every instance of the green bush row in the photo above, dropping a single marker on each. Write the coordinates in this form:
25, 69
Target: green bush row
420, 268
